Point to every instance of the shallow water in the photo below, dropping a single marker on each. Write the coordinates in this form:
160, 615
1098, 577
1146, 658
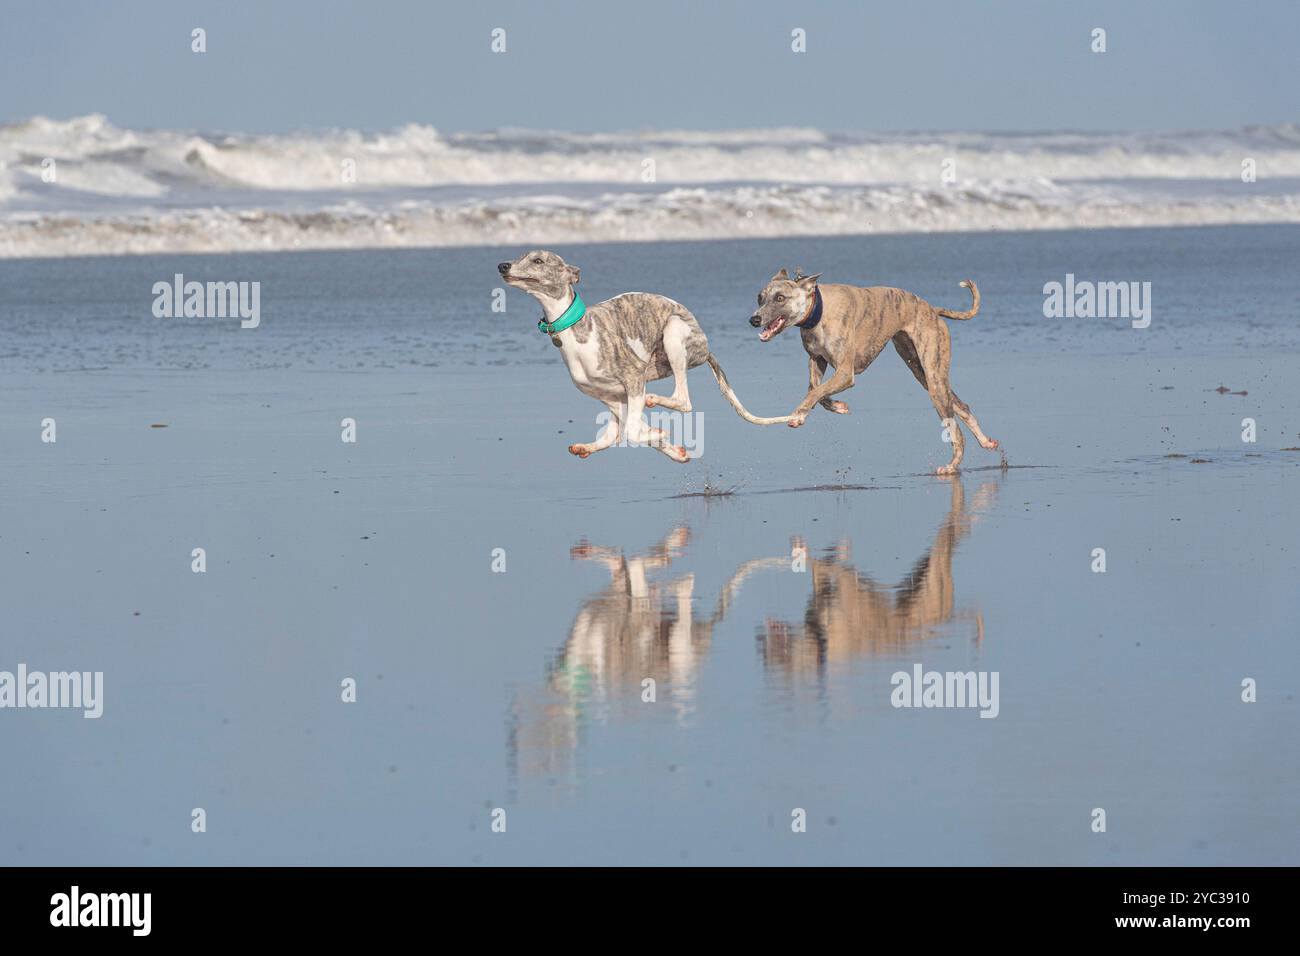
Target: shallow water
523, 690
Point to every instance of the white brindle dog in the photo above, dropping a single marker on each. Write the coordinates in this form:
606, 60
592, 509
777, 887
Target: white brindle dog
613, 349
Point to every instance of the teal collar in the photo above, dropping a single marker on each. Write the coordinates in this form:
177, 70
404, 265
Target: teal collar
572, 316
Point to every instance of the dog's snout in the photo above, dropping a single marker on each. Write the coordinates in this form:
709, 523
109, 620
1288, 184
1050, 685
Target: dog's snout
503, 267
755, 321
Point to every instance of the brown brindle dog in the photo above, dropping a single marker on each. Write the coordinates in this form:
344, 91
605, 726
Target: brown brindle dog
846, 327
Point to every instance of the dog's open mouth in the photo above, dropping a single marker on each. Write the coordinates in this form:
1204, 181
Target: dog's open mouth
773, 327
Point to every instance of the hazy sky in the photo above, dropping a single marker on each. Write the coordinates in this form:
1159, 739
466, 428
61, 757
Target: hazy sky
910, 64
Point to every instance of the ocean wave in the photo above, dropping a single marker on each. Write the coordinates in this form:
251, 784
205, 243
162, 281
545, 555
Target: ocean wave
684, 213
416, 155
116, 190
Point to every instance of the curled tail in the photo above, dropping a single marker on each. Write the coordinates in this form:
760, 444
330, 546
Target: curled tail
730, 396
975, 306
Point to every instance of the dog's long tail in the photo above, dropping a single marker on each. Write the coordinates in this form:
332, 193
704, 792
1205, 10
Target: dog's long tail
975, 307
730, 396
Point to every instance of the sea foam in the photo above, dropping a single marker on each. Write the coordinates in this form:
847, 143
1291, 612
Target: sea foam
85, 186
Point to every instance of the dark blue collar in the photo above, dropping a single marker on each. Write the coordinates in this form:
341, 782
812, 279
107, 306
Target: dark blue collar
815, 313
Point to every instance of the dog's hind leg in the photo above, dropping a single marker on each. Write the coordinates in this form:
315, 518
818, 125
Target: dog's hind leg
934, 350
816, 369
966, 415
907, 351
675, 334
641, 433
608, 436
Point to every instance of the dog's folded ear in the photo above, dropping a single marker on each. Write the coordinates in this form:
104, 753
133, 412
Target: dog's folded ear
573, 272
807, 281
780, 275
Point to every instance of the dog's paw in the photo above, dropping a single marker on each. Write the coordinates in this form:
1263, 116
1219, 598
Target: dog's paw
581, 451
582, 549
946, 470
991, 444
797, 420
839, 408
651, 400
680, 455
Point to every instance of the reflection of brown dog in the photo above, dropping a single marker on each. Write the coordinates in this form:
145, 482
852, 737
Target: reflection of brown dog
850, 615
636, 628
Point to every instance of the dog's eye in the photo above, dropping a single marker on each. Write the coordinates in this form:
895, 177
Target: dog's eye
760, 298
779, 297
538, 260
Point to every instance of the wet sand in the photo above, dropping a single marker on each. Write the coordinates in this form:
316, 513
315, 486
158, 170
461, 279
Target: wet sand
523, 690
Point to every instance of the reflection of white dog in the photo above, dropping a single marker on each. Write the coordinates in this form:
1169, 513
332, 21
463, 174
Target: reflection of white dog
636, 628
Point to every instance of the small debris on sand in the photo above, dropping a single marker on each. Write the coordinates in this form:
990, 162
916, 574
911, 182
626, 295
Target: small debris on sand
1224, 390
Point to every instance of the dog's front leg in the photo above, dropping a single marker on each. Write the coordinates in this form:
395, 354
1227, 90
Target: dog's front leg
608, 436
816, 369
842, 379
